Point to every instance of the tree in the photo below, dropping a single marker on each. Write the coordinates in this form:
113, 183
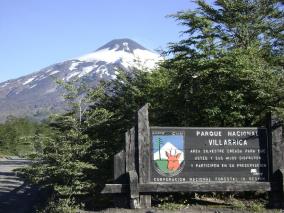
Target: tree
64, 165
160, 142
16, 136
227, 71
212, 77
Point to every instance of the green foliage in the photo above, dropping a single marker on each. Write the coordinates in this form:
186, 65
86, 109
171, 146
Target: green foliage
238, 204
236, 89
257, 207
66, 163
227, 71
171, 206
61, 206
17, 136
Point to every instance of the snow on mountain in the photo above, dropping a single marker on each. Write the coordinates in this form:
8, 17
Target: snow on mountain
170, 148
38, 91
5, 84
29, 80
117, 54
124, 53
120, 53
139, 57
52, 73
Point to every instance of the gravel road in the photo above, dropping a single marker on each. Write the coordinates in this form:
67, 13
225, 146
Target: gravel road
15, 195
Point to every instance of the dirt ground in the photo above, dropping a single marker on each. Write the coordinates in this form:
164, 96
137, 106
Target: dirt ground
191, 210
187, 210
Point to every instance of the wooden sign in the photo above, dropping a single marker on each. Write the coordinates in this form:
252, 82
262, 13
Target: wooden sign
209, 154
191, 159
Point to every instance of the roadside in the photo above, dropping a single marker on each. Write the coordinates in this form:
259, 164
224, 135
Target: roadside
188, 210
192, 209
15, 195
204, 204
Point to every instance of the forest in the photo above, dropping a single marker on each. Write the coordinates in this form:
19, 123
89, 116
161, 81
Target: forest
227, 70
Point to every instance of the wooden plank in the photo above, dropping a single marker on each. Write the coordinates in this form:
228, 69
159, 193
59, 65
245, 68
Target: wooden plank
276, 158
281, 171
144, 144
127, 148
192, 187
120, 201
276, 143
133, 180
144, 152
277, 147
134, 192
205, 187
130, 149
276, 195
145, 201
119, 166
115, 189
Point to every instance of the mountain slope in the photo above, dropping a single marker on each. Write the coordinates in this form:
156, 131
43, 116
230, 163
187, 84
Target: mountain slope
37, 94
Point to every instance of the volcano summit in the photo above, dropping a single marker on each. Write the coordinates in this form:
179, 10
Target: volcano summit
37, 94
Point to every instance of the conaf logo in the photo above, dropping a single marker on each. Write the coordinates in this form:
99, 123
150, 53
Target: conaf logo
168, 154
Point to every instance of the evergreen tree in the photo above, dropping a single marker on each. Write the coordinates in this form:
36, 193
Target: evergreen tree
227, 71
64, 163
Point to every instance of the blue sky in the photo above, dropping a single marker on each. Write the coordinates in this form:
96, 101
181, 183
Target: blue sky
38, 33
176, 140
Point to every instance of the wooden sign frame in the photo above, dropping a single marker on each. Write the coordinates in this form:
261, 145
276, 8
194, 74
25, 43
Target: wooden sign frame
132, 169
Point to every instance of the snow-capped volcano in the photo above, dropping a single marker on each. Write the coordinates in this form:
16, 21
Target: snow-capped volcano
125, 44
124, 51
37, 93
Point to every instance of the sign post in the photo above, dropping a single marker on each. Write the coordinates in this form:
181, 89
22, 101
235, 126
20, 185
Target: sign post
199, 159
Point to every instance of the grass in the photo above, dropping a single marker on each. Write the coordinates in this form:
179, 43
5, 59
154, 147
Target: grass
248, 203
17, 150
4, 153
171, 206
257, 207
238, 204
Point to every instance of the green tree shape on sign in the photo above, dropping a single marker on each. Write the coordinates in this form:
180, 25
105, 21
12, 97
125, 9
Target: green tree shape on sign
160, 142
